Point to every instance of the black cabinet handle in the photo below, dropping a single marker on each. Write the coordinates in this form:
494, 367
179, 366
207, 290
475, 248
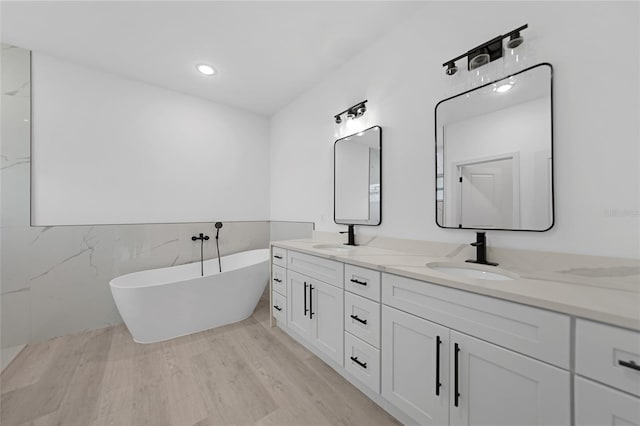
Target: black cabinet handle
310, 301
438, 384
305, 300
357, 361
278, 280
355, 317
277, 257
277, 307
456, 394
353, 280
630, 364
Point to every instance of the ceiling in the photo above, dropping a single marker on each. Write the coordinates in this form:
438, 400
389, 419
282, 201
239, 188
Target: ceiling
266, 53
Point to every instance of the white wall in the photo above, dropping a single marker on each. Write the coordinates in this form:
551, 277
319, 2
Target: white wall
108, 150
594, 49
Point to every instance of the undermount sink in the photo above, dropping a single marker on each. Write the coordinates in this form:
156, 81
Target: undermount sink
334, 247
478, 272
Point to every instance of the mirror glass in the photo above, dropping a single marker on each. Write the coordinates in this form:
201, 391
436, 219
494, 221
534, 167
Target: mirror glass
494, 155
357, 162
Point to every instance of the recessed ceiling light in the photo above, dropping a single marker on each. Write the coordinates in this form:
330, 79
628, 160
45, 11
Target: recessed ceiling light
503, 88
206, 69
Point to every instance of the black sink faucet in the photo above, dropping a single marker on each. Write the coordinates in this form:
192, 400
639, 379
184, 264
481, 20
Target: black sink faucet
481, 250
351, 241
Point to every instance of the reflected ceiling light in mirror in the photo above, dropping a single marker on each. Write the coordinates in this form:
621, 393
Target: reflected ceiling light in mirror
205, 69
503, 88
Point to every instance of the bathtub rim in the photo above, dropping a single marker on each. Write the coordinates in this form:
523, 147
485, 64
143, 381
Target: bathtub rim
113, 282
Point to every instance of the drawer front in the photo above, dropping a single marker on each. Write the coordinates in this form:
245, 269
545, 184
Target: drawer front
531, 331
609, 355
362, 281
599, 405
362, 361
329, 271
279, 256
362, 318
279, 279
279, 308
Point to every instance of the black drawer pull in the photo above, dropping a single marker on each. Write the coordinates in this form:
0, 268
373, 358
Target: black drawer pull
456, 393
353, 280
305, 300
357, 361
310, 301
438, 384
278, 280
355, 317
277, 307
277, 257
630, 364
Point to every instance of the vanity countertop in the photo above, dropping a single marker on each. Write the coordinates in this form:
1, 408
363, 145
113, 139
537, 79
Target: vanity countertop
606, 293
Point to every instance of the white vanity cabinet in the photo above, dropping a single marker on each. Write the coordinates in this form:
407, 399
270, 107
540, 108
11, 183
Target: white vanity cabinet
491, 385
435, 355
279, 284
315, 308
607, 390
415, 366
480, 382
362, 325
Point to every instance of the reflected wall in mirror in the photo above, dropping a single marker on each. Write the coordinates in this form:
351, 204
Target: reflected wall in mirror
494, 155
357, 178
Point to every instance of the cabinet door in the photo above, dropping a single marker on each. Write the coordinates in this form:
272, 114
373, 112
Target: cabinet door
327, 328
412, 366
499, 387
598, 405
298, 303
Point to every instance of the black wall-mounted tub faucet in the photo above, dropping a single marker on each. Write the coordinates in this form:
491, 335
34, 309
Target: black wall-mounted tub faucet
481, 250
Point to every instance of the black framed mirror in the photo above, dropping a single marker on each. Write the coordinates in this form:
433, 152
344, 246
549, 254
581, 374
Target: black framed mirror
494, 154
357, 173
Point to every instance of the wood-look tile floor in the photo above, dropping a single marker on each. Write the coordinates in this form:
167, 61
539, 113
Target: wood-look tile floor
242, 374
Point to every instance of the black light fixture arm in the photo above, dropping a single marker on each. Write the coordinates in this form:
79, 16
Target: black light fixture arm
352, 109
486, 44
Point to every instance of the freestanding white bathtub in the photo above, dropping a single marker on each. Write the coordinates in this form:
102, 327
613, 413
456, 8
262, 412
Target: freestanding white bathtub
161, 304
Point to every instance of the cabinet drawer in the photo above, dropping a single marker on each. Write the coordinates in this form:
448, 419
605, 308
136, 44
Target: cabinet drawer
279, 308
279, 256
329, 271
362, 318
531, 331
279, 279
363, 361
362, 281
598, 405
600, 350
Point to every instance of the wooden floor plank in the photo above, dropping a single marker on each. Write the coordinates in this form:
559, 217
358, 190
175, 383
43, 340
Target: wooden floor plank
240, 374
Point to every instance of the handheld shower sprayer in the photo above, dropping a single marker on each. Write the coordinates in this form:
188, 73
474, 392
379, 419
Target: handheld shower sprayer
218, 225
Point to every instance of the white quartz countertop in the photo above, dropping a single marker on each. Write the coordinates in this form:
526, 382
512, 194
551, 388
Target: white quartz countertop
605, 293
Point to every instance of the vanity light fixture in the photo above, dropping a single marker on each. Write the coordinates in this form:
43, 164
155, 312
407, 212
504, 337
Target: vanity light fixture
515, 40
352, 112
206, 69
486, 52
451, 68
